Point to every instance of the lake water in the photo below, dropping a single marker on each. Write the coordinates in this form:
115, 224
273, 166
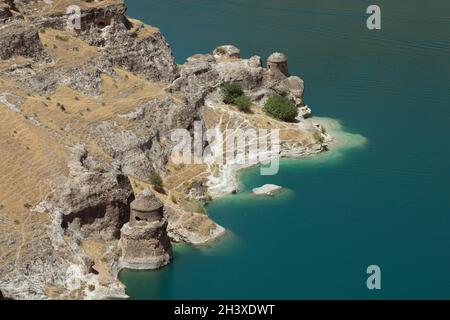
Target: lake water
385, 202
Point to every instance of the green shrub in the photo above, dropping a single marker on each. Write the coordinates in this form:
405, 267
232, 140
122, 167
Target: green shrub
62, 38
319, 137
157, 182
233, 94
231, 91
281, 108
221, 51
243, 103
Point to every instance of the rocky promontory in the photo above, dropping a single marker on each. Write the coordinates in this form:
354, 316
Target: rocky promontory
86, 117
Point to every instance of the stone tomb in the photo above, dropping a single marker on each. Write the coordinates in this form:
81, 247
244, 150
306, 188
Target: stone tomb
144, 241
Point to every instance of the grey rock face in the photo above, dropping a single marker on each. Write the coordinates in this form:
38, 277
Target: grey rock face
51, 16
123, 43
94, 196
129, 45
5, 12
292, 87
85, 78
202, 75
20, 40
146, 147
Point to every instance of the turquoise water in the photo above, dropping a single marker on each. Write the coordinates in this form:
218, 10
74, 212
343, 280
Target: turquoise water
386, 202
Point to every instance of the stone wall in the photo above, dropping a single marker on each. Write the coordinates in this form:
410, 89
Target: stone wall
145, 246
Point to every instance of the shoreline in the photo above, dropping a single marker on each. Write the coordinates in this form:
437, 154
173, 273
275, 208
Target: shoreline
338, 140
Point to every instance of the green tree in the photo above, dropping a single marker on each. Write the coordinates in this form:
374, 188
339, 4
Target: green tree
231, 91
281, 108
157, 182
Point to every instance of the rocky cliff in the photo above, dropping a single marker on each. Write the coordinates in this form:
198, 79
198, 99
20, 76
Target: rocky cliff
86, 116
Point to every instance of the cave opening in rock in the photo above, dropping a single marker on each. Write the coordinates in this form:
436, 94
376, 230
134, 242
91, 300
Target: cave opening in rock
106, 218
102, 22
141, 219
93, 270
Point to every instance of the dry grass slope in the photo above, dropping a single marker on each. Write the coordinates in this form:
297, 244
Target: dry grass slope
34, 143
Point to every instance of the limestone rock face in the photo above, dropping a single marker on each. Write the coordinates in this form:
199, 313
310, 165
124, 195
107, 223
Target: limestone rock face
124, 43
20, 40
50, 15
202, 75
135, 47
304, 112
293, 88
87, 216
192, 227
5, 12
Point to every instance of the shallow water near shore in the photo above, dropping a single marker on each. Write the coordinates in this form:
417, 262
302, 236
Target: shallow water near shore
383, 201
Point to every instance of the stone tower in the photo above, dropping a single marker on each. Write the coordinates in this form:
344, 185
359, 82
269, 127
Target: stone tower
144, 240
145, 208
278, 63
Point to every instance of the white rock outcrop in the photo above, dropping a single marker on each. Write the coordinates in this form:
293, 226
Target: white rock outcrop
267, 190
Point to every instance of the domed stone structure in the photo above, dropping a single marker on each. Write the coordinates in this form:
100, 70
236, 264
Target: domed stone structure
144, 240
145, 208
278, 63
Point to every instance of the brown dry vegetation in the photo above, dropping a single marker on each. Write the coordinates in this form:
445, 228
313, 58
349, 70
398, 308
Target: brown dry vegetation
34, 142
60, 6
144, 30
65, 49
